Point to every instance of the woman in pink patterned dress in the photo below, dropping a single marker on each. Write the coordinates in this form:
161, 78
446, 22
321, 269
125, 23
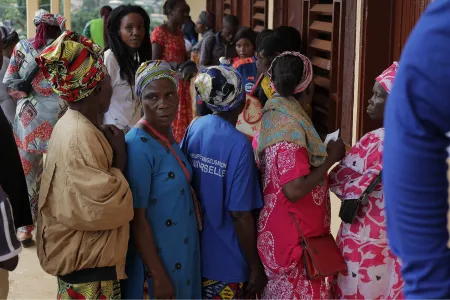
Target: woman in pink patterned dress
373, 271
294, 164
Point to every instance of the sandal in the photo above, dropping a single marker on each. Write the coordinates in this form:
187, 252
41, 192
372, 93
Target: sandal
26, 239
27, 242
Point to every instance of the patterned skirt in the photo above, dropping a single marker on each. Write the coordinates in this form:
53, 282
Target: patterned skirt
213, 289
91, 290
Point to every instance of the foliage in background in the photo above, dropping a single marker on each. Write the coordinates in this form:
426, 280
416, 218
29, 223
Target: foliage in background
91, 10
14, 13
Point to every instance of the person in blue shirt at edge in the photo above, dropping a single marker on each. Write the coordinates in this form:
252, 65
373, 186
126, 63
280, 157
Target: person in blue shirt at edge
245, 63
226, 179
417, 123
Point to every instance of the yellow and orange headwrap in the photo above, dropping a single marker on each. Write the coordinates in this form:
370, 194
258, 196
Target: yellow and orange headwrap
74, 66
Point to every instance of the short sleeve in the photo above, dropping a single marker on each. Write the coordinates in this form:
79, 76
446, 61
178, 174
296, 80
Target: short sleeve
158, 36
246, 192
292, 162
139, 171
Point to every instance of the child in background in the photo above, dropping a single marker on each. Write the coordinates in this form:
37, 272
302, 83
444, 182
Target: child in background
245, 63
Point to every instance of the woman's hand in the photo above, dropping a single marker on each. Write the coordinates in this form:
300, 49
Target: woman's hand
162, 286
116, 139
336, 151
188, 70
256, 283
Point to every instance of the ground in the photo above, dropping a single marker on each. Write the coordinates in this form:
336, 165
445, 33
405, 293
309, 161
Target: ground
29, 281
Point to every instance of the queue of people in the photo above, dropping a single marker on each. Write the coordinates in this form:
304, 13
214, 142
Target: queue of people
139, 199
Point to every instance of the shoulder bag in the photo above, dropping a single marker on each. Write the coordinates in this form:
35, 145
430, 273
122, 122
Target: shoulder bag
250, 119
349, 208
197, 207
321, 255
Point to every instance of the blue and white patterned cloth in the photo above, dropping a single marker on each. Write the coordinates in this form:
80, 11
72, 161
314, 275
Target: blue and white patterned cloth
220, 87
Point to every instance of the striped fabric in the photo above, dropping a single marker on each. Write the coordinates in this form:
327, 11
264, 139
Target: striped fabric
9, 245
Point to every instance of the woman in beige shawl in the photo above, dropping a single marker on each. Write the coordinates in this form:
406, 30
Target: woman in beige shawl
85, 203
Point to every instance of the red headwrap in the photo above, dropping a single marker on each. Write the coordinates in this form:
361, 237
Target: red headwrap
386, 79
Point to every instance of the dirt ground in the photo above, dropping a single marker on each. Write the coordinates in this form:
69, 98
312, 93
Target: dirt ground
29, 281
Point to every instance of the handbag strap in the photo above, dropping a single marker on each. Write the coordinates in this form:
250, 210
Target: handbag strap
168, 145
296, 225
371, 187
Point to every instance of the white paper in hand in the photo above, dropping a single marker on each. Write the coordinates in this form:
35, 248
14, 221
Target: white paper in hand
332, 137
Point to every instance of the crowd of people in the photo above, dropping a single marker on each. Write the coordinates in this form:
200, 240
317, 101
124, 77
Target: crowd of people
136, 198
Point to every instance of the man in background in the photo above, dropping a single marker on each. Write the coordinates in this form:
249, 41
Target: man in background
96, 29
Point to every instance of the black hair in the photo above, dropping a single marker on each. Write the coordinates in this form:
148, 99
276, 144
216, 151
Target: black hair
105, 10
231, 20
246, 33
128, 65
291, 36
11, 39
272, 45
170, 5
286, 74
261, 36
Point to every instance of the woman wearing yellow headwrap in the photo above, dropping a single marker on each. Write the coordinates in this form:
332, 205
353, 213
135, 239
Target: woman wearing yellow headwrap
85, 203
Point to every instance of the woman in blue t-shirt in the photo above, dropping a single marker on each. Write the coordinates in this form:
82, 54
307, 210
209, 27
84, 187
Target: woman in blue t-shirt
227, 182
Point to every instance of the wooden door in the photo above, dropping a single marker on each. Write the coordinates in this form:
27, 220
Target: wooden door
287, 13
381, 45
407, 13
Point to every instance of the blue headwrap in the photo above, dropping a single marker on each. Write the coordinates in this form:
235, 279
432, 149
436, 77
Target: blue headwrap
220, 87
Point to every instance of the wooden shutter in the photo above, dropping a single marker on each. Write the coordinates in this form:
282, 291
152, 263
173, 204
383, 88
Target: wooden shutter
323, 27
259, 12
227, 7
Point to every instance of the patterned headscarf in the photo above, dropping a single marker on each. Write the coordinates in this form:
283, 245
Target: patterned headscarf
74, 66
307, 71
152, 70
386, 79
220, 87
43, 16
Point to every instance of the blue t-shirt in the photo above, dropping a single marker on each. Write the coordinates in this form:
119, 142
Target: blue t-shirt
415, 170
226, 179
248, 70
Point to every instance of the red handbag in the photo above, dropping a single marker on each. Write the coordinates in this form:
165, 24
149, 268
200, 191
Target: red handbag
321, 255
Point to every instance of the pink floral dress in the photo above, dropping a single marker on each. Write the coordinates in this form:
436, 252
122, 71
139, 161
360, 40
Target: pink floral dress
373, 271
278, 238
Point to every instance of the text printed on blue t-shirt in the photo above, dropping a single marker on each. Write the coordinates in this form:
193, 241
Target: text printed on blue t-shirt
208, 165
